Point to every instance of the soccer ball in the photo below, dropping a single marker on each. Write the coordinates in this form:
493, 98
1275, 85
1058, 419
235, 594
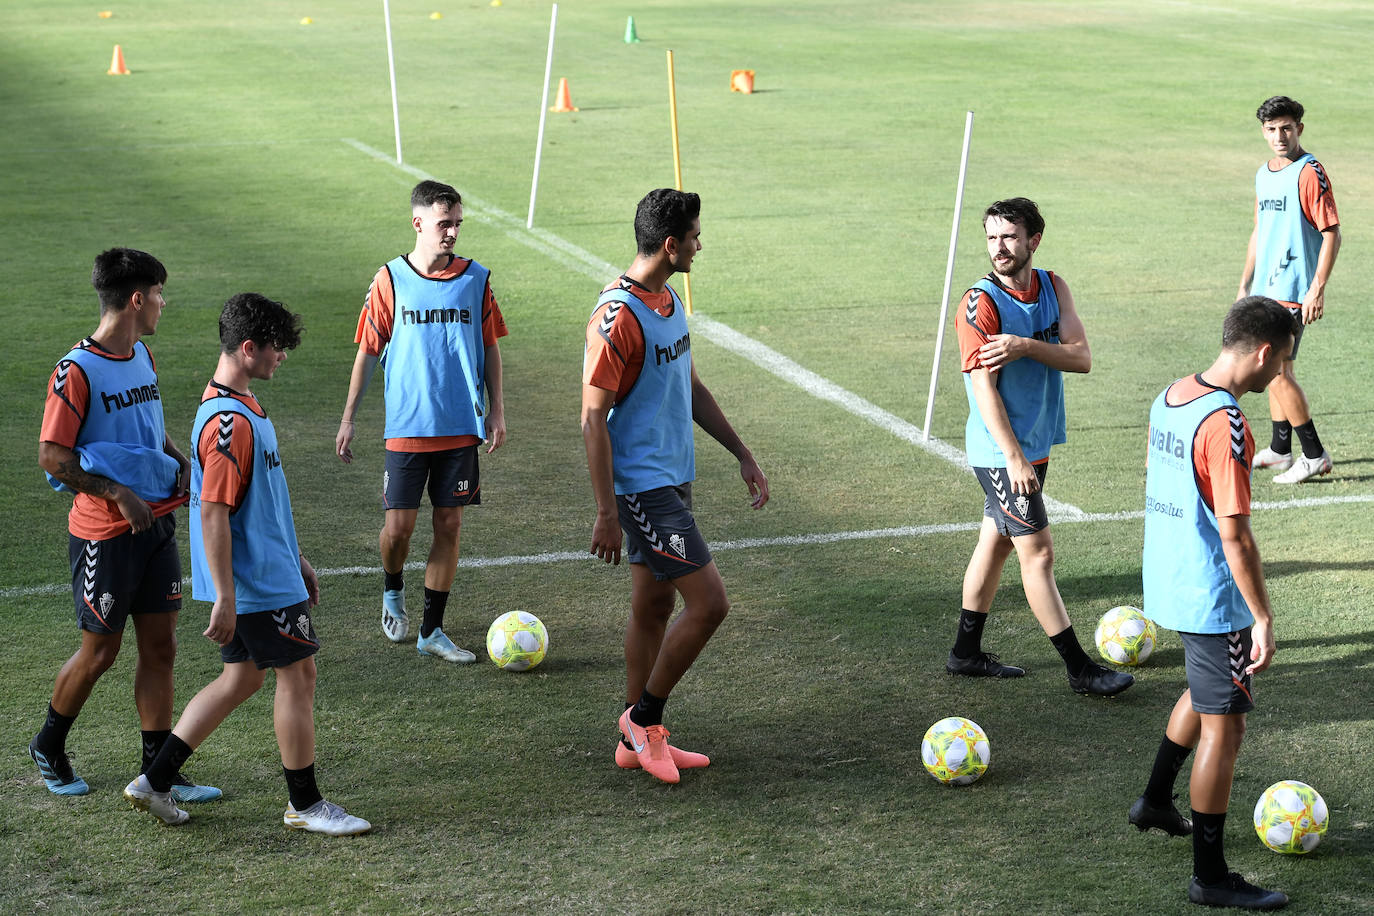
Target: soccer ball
1290, 817
1125, 636
955, 751
517, 641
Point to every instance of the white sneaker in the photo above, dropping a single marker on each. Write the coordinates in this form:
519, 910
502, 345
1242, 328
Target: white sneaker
1305, 468
1268, 458
440, 646
325, 817
395, 623
160, 805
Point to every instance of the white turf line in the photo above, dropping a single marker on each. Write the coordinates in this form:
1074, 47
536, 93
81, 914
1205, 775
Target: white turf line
765, 357
790, 540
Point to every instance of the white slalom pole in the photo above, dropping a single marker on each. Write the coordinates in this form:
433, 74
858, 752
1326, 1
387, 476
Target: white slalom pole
543, 112
949, 273
391, 66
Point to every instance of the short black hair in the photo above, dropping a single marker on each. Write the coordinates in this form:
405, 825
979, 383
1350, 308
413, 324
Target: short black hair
120, 272
1279, 106
252, 316
428, 193
1019, 210
1255, 321
662, 214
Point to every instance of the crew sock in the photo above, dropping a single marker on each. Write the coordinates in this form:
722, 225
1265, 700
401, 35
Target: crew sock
1159, 791
152, 743
435, 603
52, 737
968, 641
393, 582
1311, 442
1066, 643
1281, 440
300, 784
168, 763
1209, 861
648, 711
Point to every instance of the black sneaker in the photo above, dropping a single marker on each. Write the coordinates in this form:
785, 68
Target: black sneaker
1145, 815
1100, 681
1233, 890
984, 664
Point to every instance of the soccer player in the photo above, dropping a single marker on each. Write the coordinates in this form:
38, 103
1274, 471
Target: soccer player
431, 321
1018, 332
1292, 250
1202, 577
103, 438
247, 563
640, 397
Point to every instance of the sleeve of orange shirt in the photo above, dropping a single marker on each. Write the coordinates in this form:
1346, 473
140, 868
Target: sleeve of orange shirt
615, 353
1222, 451
378, 315
227, 460
64, 410
976, 321
493, 322
1318, 203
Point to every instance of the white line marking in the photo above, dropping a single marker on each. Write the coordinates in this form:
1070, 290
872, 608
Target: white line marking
761, 355
789, 540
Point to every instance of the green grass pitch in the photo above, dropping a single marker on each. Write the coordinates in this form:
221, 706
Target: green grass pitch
827, 204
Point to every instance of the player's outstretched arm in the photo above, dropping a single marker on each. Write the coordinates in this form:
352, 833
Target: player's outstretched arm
606, 537
364, 364
65, 464
707, 414
1020, 472
1243, 558
496, 404
218, 543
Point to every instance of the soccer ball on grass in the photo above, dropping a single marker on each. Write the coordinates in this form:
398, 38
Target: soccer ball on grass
517, 641
955, 751
1291, 817
1125, 636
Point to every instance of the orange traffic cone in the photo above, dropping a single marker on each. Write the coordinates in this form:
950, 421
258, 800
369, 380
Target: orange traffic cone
117, 67
564, 102
742, 81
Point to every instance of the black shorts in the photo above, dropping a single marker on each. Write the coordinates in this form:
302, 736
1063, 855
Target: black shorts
1297, 335
1014, 514
1216, 664
272, 639
452, 476
661, 533
126, 574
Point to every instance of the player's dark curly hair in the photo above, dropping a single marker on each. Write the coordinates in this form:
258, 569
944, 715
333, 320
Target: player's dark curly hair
662, 214
252, 316
120, 272
1280, 106
1254, 321
1019, 210
429, 193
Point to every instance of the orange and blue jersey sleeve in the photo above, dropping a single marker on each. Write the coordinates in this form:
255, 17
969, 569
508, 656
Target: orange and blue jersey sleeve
1318, 202
493, 322
64, 410
976, 320
378, 315
614, 350
226, 457
1223, 450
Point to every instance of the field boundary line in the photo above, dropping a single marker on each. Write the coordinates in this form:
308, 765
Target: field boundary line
786, 540
760, 354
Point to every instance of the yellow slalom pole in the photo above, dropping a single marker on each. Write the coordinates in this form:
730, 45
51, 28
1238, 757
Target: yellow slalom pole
677, 162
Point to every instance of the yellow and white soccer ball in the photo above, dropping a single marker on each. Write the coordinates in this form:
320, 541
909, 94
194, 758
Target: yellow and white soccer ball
517, 641
955, 751
1125, 636
1291, 817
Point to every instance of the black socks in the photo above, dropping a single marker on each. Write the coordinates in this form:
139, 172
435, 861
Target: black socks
968, 642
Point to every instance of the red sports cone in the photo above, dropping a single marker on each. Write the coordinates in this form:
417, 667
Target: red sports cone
117, 67
564, 102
